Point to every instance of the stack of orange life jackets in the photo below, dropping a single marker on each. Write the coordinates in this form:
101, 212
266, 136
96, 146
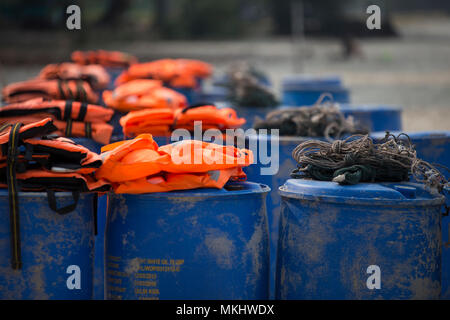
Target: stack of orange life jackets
162, 121
142, 94
140, 166
94, 74
77, 90
104, 58
71, 118
32, 161
177, 73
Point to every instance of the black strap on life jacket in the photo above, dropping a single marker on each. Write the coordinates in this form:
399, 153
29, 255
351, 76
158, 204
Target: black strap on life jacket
68, 131
196, 105
68, 118
5, 126
66, 93
62, 92
81, 94
13, 150
68, 110
88, 130
81, 115
82, 112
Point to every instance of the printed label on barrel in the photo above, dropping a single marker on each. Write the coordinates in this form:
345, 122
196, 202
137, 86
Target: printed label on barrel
142, 274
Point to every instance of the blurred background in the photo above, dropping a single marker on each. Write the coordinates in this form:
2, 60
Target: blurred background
406, 63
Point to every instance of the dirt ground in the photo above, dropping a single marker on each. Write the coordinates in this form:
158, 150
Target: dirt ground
412, 71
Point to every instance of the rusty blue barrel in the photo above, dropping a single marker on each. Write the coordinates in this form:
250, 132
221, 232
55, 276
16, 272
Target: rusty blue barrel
434, 147
57, 250
99, 255
273, 166
305, 90
212, 94
252, 114
446, 249
364, 241
375, 117
194, 244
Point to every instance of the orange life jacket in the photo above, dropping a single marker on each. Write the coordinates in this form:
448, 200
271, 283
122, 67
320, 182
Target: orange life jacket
30, 161
139, 166
104, 58
142, 94
72, 118
42, 180
161, 122
181, 181
49, 152
77, 90
95, 74
59, 109
179, 73
99, 132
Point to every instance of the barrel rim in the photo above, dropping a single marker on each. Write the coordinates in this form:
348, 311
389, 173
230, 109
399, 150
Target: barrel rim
416, 135
438, 200
282, 138
4, 192
314, 88
373, 107
265, 189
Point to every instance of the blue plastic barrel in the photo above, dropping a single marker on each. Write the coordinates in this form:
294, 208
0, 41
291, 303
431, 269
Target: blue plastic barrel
194, 244
305, 90
375, 117
212, 94
434, 147
252, 114
445, 294
280, 159
99, 256
115, 122
57, 250
365, 241
189, 93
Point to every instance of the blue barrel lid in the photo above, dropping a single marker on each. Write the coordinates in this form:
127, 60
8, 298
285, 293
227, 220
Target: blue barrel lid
233, 189
345, 107
389, 193
421, 135
312, 80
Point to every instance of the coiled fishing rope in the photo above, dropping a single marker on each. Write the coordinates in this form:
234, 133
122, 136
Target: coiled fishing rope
323, 119
359, 159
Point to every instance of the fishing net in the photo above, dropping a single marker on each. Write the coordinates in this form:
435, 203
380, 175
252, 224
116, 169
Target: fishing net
246, 87
315, 121
359, 159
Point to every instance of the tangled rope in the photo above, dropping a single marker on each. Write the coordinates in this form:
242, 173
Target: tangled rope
319, 120
359, 159
246, 87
